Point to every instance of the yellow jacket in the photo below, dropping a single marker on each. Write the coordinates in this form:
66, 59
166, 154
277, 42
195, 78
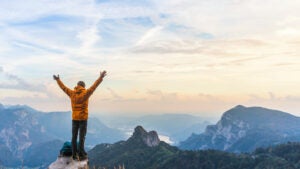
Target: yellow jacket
79, 98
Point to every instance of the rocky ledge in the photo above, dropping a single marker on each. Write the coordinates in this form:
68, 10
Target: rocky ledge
68, 163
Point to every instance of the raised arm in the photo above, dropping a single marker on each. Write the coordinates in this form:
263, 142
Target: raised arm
61, 85
96, 84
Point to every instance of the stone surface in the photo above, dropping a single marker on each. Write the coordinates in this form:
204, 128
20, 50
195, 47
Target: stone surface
149, 138
68, 163
243, 129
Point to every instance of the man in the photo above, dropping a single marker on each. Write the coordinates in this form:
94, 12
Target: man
79, 100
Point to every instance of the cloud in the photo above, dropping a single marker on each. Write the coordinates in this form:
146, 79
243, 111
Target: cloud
36, 47
288, 103
230, 17
20, 84
88, 37
284, 64
164, 47
48, 28
175, 48
143, 71
197, 46
150, 33
126, 9
39, 101
163, 96
16, 11
272, 96
155, 92
114, 94
244, 60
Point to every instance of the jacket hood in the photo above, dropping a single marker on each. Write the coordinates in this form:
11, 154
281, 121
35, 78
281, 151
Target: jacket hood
79, 89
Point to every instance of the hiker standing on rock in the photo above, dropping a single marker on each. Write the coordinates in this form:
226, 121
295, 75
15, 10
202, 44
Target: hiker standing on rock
79, 100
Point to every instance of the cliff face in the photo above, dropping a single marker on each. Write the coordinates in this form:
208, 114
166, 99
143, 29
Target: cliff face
149, 138
68, 163
243, 129
25, 132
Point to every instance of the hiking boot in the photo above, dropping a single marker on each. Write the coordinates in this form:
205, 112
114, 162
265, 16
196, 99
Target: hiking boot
75, 158
82, 158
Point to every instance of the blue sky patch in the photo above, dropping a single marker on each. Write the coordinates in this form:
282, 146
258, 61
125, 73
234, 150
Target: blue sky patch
144, 21
120, 32
205, 35
176, 27
128, 2
47, 20
31, 46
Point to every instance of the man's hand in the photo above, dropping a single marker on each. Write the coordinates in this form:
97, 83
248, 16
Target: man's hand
102, 74
55, 77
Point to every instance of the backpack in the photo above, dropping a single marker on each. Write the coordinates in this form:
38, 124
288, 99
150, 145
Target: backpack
66, 150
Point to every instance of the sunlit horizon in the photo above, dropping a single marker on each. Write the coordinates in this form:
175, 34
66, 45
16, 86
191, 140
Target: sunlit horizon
193, 57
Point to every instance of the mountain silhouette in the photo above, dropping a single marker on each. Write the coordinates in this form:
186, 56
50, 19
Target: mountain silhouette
135, 153
25, 131
243, 129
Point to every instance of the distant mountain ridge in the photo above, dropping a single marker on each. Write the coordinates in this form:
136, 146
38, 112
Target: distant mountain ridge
135, 153
24, 130
175, 127
149, 138
242, 129
138, 151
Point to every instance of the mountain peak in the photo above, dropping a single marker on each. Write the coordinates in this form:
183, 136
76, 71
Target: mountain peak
240, 126
149, 138
255, 115
139, 130
240, 107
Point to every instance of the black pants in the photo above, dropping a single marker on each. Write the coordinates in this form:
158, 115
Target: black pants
81, 126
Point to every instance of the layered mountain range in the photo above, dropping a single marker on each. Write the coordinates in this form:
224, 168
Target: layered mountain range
138, 151
25, 132
184, 124
176, 126
35, 138
144, 150
243, 129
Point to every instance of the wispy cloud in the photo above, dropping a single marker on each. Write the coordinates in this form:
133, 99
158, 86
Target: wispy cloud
168, 50
114, 95
15, 82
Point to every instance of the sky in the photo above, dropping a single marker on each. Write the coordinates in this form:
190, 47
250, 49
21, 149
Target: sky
199, 57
